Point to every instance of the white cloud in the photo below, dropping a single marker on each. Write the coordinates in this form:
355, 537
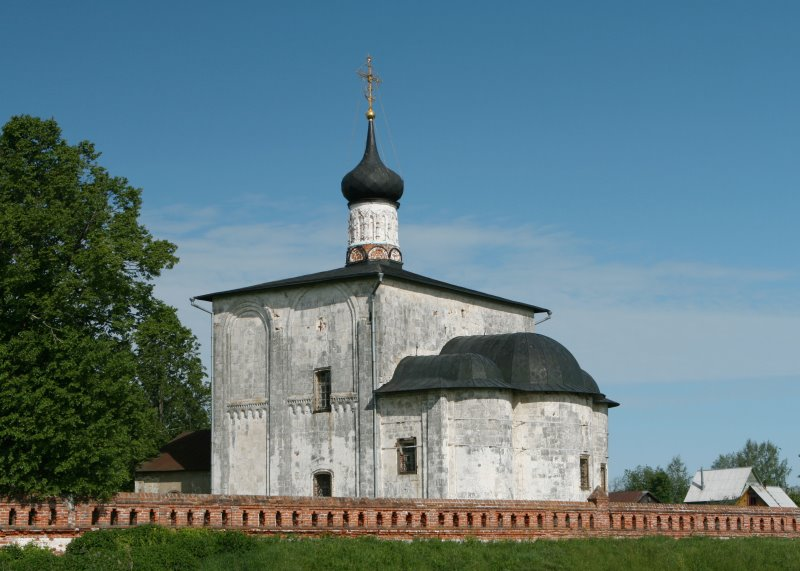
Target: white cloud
669, 321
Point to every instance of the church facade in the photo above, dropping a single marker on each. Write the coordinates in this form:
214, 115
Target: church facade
373, 381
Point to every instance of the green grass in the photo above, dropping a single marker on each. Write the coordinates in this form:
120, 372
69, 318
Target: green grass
158, 548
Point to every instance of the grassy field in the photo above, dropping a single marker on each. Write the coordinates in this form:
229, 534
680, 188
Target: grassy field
159, 548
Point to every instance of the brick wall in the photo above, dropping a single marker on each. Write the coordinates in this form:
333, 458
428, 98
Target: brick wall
392, 518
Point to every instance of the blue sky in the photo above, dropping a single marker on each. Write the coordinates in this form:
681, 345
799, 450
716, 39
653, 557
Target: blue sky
632, 166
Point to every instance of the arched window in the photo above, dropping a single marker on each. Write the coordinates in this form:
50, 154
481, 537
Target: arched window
323, 484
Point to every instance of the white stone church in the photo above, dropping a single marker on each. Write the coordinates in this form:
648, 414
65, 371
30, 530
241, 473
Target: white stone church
372, 381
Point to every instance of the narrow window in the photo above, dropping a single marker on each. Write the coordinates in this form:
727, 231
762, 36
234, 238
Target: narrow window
189, 517
603, 476
407, 456
114, 517
152, 516
132, 517
584, 472
245, 518
262, 519
12, 517
173, 517
322, 391
52, 520
329, 519
360, 519
207, 518
322, 485
32, 517
346, 519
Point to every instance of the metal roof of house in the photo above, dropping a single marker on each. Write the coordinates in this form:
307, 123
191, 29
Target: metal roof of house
370, 269
719, 485
782, 499
190, 451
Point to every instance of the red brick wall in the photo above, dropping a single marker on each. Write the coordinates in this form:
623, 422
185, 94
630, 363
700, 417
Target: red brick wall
394, 518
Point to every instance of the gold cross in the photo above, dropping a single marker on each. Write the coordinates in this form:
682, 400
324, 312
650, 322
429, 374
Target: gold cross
371, 79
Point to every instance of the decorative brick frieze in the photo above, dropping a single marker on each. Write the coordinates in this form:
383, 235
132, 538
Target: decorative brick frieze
244, 409
392, 518
340, 403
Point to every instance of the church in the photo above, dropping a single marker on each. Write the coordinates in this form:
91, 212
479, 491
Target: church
369, 380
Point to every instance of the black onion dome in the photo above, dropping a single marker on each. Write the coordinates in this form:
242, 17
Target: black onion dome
372, 180
461, 371
529, 362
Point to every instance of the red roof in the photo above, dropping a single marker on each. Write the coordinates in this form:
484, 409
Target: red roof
190, 451
631, 496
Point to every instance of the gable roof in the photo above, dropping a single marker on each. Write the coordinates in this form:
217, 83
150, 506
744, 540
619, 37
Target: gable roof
632, 497
781, 498
726, 485
189, 451
370, 269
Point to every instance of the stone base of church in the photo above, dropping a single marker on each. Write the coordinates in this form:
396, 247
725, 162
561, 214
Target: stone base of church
54, 523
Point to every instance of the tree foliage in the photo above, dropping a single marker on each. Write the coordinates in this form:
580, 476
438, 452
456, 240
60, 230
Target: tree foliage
669, 485
764, 457
170, 372
76, 271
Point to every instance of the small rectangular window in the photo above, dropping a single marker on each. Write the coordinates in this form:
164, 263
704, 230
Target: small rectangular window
603, 477
407, 456
322, 485
322, 390
584, 472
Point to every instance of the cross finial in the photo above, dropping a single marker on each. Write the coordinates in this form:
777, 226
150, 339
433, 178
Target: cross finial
372, 83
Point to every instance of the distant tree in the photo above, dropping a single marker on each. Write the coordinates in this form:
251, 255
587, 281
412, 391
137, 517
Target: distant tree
76, 271
170, 372
764, 457
667, 485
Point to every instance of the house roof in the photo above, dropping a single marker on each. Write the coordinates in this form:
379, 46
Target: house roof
366, 270
189, 451
725, 485
781, 498
631, 496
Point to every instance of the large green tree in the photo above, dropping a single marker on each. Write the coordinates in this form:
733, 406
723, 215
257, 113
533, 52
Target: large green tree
765, 459
170, 372
76, 271
669, 485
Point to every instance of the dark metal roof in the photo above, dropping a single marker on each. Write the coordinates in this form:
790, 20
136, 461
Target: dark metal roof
462, 371
189, 451
526, 362
529, 361
372, 180
370, 269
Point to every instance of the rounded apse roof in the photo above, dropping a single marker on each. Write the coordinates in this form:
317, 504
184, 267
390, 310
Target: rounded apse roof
461, 371
528, 361
372, 180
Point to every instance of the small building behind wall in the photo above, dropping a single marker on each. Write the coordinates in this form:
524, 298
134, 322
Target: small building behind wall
738, 486
183, 465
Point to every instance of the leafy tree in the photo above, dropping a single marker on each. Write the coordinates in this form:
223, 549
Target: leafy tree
170, 372
765, 459
76, 271
668, 485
